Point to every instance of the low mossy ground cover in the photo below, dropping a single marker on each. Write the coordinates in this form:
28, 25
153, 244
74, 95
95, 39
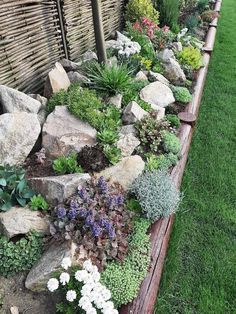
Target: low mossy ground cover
199, 274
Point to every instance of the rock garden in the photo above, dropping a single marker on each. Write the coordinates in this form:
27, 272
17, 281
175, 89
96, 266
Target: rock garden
85, 166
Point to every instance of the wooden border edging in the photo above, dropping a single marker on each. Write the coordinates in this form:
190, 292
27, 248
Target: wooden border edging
218, 6
160, 231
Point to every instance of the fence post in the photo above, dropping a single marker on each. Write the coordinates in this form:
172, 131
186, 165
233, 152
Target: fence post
63, 32
98, 31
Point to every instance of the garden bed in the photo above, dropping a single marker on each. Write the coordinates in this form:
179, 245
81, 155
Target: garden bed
107, 146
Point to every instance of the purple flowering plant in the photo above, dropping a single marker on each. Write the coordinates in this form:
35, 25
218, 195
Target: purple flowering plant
97, 219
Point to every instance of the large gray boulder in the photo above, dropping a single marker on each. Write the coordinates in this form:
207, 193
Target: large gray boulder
153, 76
56, 189
173, 72
157, 95
116, 101
76, 77
18, 135
56, 80
21, 220
166, 54
42, 112
63, 133
11, 100
133, 113
49, 264
69, 65
124, 172
127, 144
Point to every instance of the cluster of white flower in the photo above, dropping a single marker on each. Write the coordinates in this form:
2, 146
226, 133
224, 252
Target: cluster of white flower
182, 33
94, 294
129, 48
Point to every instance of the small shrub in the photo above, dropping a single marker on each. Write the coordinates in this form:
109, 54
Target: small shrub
14, 189
171, 143
124, 279
92, 159
19, 256
191, 56
112, 79
156, 194
209, 16
169, 12
132, 93
38, 202
144, 105
97, 219
191, 22
137, 9
66, 165
182, 94
162, 37
173, 120
161, 162
202, 5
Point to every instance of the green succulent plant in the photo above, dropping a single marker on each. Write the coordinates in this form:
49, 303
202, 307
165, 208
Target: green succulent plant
182, 94
107, 136
38, 202
112, 153
66, 165
174, 120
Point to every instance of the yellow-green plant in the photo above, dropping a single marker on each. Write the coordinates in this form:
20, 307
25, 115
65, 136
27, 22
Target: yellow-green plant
191, 56
137, 9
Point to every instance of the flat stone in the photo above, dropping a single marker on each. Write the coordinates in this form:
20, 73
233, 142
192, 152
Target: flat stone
11, 101
89, 56
157, 94
127, 144
141, 76
18, 135
153, 76
116, 101
133, 113
173, 72
63, 133
128, 129
49, 264
69, 65
76, 77
56, 189
22, 220
166, 54
125, 171
56, 80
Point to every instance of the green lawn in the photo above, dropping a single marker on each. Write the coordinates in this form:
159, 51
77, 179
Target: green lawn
200, 270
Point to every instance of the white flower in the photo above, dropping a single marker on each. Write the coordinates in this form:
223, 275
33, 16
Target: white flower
52, 284
87, 265
106, 294
96, 276
89, 279
70, 295
100, 303
64, 278
86, 290
85, 303
81, 275
108, 306
91, 311
66, 263
109, 311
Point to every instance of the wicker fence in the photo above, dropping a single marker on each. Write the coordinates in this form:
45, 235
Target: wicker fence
31, 36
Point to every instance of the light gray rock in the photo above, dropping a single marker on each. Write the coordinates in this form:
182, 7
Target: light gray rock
121, 37
111, 43
178, 46
22, 220
133, 113
116, 101
125, 172
69, 65
56, 189
153, 76
127, 144
173, 72
113, 61
56, 80
49, 264
76, 77
128, 129
42, 112
18, 135
141, 76
159, 112
157, 94
11, 100
63, 133
166, 54
89, 56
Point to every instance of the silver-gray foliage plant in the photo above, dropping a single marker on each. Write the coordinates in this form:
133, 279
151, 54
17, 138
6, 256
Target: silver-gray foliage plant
157, 194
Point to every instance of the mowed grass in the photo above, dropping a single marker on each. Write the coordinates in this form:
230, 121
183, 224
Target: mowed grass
200, 270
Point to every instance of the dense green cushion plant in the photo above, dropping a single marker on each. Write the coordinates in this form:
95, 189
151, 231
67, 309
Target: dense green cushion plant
137, 9
124, 279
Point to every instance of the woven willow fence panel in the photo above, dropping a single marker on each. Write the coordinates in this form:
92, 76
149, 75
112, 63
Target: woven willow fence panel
30, 42
79, 23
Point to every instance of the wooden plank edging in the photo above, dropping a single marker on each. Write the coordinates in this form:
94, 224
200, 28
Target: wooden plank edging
160, 231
